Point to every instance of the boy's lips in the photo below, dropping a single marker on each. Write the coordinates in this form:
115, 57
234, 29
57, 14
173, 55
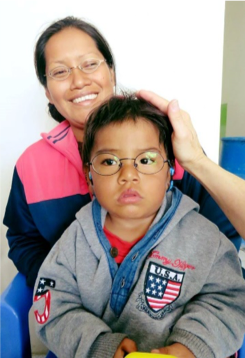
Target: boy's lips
129, 196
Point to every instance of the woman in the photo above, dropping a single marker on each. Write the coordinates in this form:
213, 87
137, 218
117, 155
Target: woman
75, 65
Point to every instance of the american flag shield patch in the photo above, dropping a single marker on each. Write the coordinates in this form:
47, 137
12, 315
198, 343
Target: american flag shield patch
162, 286
43, 292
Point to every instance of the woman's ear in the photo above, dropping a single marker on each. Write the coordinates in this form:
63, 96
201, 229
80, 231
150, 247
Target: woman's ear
47, 93
112, 74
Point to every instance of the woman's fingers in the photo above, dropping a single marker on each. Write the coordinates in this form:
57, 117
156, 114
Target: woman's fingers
171, 109
185, 142
156, 100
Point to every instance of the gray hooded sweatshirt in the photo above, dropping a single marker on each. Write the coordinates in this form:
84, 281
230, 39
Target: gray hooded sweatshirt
181, 283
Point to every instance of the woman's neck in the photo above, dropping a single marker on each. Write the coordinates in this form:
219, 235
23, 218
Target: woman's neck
78, 133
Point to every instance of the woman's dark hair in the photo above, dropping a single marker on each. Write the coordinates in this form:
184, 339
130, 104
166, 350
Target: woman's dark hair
119, 109
72, 22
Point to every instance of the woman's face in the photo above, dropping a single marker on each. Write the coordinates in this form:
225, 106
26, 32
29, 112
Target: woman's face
76, 96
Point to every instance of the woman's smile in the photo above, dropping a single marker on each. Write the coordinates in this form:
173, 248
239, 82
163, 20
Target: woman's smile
85, 98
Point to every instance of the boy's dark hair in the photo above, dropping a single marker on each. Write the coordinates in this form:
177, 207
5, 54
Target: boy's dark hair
54, 28
122, 108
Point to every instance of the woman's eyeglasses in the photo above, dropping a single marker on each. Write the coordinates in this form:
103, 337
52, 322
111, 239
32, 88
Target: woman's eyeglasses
87, 66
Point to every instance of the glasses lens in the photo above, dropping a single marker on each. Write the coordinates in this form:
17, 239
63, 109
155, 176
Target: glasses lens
149, 162
90, 65
59, 73
106, 164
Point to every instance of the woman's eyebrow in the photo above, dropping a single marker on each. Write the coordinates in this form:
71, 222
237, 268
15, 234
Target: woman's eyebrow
86, 55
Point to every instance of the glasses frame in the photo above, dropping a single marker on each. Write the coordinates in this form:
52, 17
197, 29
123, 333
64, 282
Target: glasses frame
69, 69
121, 164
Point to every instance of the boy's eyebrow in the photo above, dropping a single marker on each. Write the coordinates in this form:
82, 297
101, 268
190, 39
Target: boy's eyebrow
139, 150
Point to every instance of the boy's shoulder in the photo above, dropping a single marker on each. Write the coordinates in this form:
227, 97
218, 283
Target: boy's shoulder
189, 210
85, 213
189, 221
81, 236
198, 228
78, 230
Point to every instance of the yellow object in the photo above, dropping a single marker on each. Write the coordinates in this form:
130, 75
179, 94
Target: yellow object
148, 355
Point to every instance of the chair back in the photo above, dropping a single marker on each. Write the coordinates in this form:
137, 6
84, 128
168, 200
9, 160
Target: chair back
232, 157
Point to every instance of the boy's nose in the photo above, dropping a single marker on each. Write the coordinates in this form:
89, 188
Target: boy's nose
128, 172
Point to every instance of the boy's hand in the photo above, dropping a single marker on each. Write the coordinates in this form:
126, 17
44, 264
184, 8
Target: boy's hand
177, 349
126, 346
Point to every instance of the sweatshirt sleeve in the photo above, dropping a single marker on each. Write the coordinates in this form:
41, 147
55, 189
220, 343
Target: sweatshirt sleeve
64, 325
213, 322
208, 207
28, 248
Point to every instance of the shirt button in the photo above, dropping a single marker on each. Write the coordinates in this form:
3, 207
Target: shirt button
135, 256
123, 282
114, 252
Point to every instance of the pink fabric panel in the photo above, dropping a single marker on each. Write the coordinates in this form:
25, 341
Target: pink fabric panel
47, 174
179, 171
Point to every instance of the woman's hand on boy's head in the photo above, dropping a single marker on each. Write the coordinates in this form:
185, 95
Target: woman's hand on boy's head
186, 146
177, 349
156, 100
125, 347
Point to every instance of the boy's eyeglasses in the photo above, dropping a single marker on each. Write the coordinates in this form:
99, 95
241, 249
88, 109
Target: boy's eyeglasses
145, 163
87, 66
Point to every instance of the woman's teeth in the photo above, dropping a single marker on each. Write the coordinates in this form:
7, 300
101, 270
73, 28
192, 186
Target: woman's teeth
85, 98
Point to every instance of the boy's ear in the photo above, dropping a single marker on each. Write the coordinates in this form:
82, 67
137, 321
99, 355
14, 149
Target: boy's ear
88, 180
171, 171
169, 182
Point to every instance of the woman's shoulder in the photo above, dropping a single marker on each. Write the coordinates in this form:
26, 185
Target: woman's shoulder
34, 152
44, 146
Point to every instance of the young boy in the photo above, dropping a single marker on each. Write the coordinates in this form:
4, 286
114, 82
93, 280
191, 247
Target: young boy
139, 269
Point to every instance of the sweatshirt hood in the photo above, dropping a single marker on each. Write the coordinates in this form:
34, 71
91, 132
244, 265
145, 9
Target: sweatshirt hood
63, 140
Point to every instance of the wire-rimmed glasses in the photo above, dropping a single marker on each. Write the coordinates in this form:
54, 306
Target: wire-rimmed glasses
148, 162
87, 66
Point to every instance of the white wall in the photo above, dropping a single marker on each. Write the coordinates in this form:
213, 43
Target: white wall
233, 92
172, 47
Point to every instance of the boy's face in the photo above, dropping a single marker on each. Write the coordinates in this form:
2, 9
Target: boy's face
129, 194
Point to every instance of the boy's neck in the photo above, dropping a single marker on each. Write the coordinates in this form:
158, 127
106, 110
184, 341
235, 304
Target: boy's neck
128, 230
